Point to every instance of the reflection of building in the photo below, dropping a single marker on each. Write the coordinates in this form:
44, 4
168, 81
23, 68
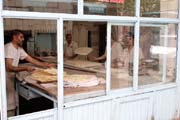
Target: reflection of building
94, 8
169, 8
159, 8
45, 6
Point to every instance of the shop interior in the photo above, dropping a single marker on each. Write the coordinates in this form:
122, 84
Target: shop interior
85, 67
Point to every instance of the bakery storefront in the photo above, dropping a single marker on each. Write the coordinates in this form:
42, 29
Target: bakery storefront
116, 59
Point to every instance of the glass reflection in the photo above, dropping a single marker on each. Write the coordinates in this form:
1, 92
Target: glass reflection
122, 48
54, 6
110, 7
159, 50
159, 8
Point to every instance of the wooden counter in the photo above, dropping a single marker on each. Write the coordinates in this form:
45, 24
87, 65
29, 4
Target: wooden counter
119, 79
70, 93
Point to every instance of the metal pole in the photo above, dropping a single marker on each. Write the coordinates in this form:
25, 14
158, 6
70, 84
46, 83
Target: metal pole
164, 66
2, 74
108, 59
136, 47
80, 7
60, 69
178, 50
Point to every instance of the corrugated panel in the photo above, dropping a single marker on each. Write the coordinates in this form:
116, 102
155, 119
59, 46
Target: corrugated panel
164, 105
44, 115
159, 105
95, 111
178, 104
132, 108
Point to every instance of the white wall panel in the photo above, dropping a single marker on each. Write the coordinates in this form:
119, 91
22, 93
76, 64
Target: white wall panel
133, 108
178, 103
157, 105
129, 108
164, 105
95, 111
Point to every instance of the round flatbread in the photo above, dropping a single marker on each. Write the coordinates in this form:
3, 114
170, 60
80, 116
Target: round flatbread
83, 50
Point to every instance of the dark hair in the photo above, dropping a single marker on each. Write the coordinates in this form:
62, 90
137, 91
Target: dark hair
15, 32
130, 34
68, 34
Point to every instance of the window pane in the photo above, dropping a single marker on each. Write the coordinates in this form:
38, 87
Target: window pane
38, 39
121, 56
55, 6
84, 70
159, 8
110, 7
158, 53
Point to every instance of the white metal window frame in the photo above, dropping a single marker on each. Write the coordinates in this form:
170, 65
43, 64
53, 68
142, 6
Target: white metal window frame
80, 17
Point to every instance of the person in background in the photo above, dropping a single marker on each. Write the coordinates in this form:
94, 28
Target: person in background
116, 51
13, 53
69, 47
128, 54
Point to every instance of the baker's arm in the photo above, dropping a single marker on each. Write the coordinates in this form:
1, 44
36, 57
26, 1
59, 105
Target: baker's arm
38, 63
11, 68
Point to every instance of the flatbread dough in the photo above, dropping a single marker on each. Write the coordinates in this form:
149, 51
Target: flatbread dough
83, 50
46, 75
82, 63
52, 71
80, 80
44, 79
70, 80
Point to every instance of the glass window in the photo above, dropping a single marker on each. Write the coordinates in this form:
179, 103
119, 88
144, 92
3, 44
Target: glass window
159, 8
84, 68
157, 61
110, 7
38, 39
54, 6
122, 38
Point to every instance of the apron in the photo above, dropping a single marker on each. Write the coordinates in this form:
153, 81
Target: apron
10, 89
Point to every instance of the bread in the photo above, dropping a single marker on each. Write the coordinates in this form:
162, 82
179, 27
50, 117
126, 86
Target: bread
46, 75
83, 50
81, 63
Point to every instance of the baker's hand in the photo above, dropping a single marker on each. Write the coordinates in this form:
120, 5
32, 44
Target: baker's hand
94, 58
30, 69
49, 65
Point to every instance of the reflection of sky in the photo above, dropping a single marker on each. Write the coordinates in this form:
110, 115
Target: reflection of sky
170, 51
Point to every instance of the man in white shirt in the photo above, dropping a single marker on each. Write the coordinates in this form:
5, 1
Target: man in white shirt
116, 51
13, 53
128, 55
69, 47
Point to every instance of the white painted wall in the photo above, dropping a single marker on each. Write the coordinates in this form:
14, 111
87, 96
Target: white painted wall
159, 105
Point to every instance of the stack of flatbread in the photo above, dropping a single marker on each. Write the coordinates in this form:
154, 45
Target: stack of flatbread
80, 80
70, 80
81, 63
83, 50
45, 75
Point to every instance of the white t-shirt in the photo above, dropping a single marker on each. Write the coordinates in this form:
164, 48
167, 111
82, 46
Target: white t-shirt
128, 56
14, 53
116, 50
69, 49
